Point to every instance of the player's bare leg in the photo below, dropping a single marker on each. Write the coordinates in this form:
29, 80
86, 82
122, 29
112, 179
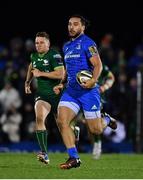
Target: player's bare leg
65, 116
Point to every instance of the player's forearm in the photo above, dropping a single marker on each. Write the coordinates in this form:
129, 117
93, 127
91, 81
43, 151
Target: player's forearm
97, 67
111, 79
29, 75
97, 71
108, 83
64, 78
57, 74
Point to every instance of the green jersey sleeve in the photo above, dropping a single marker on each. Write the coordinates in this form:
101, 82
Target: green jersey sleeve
104, 74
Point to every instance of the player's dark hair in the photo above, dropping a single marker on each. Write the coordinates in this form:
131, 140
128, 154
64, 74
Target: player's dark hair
84, 21
43, 34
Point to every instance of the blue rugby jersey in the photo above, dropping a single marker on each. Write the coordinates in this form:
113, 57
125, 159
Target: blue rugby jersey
76, 55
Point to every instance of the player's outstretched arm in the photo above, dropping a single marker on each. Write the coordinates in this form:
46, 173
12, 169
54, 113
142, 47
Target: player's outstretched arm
29, 77
108, 83
56, 74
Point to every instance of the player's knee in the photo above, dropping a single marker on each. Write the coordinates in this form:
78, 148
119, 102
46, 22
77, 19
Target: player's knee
62, 123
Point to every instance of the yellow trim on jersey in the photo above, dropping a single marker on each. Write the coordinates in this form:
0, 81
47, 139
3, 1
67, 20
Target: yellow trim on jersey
58, 67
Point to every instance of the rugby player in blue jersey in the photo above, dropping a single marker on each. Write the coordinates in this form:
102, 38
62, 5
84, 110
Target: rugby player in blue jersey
80, 53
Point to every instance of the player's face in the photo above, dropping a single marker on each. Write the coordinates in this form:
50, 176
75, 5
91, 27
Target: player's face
75, 27
42, 44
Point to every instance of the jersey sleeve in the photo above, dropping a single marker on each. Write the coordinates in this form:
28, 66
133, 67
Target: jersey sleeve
105, 70
57, 60
90, 48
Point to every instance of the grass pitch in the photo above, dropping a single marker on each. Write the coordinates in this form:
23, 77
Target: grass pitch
110, 166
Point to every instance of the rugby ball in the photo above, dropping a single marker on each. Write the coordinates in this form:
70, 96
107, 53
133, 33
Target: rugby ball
83, 76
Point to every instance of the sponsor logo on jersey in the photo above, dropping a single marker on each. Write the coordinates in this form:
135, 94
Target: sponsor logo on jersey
57, 56
72, 56
93, 50
94, 107
46, 61
40, 59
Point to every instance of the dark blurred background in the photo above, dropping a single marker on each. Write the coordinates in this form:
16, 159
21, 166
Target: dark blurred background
119, 20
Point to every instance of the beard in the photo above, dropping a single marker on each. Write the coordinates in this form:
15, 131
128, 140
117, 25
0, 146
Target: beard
74, 35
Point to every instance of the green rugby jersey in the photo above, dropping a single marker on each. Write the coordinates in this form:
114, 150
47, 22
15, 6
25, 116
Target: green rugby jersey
103, 75
101, 81
46, 62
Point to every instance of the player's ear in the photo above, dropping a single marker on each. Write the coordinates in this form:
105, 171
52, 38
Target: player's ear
48, 41
83, 28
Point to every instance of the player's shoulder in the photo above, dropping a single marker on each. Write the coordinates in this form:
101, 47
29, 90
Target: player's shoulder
88, 39
66, 44
33, 55
54, 53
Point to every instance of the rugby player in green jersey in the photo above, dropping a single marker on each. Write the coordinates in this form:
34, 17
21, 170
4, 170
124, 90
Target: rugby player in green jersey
47, 67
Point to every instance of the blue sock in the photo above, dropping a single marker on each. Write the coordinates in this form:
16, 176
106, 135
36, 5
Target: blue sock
72, 152
107, 119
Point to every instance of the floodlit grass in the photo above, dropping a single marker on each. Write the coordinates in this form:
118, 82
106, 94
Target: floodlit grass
110, 166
